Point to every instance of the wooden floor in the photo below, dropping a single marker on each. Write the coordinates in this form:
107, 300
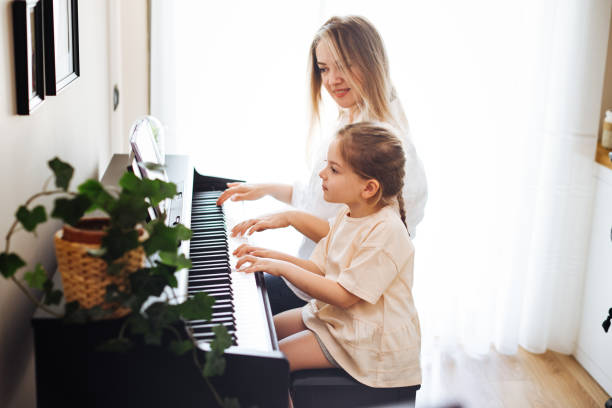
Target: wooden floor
522, 380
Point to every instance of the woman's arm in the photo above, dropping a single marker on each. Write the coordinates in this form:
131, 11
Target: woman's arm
309, 225
244, 191
316, 286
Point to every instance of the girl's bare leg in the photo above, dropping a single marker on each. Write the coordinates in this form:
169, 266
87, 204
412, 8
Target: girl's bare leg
288, 323
303, 351
299, 344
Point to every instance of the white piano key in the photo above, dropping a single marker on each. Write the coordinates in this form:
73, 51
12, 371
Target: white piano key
249, 311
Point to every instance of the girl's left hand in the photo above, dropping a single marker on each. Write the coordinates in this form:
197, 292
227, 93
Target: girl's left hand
257, 264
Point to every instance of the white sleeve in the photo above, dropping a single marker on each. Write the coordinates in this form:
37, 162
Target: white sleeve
415, 188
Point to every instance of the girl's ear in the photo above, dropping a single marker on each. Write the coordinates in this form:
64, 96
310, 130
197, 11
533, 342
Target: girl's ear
370, 189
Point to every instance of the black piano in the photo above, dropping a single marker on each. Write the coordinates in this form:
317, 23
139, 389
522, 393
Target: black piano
71, 373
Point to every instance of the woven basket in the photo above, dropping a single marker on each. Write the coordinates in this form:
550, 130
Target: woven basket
84, 277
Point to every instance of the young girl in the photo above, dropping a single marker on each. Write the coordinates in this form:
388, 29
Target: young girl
348, 58
362, 317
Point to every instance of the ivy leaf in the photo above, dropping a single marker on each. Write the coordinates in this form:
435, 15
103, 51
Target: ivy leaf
114, 295
215, 362
182, 232
180, 347
166, 272
158, 190
97, 194
215, 365
137, 323
144, 285
231, 403
52, 297
179, 261
198, 307
36, 278
30, 219
161, 315
117, 242
63, 173
129, 181
9, 263
71, 210
221, 341
155, 190
151, 335
164, 238
120, 345
129, 210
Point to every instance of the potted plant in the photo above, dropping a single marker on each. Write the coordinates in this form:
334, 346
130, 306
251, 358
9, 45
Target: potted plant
125, 241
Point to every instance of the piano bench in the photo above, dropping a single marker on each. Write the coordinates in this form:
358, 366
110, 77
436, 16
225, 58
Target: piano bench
333, 387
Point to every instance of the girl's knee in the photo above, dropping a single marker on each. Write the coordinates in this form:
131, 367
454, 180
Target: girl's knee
288, 323
303, 351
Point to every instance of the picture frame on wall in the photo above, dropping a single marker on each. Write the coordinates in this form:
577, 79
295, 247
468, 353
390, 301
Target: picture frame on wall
28, 48
61, 21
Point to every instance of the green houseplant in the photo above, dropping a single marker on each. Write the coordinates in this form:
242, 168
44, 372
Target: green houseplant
127, 208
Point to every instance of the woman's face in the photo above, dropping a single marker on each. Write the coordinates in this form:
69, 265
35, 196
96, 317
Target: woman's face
334, 80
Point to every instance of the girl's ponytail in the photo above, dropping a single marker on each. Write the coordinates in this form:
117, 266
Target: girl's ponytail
402, 210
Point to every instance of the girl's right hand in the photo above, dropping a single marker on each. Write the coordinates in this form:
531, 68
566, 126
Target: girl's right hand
241, 191
246, 249
250, 264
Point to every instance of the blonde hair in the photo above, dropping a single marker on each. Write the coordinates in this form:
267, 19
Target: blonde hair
373, 151
356, 46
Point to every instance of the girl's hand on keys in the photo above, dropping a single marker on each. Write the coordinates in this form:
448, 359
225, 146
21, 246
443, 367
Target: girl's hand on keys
251, 263
241, 192
246, 249
272, 221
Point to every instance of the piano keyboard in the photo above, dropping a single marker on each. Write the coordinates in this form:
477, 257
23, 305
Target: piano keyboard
213, 271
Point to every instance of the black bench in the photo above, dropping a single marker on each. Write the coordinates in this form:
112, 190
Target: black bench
333, 387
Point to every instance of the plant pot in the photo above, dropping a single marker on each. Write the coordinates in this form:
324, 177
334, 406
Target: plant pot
85, 277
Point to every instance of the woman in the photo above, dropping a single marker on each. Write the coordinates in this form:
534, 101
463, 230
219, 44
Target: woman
347, 58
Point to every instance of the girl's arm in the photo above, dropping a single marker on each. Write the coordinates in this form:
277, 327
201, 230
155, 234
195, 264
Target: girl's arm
316, 286
244, 191
246, 249
309, 225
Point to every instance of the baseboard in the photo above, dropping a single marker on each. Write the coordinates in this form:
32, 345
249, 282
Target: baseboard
598, 374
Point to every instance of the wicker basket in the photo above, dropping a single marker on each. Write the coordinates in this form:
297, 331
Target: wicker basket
84, 277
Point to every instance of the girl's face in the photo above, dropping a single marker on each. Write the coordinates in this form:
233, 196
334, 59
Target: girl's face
334, 80
340, 184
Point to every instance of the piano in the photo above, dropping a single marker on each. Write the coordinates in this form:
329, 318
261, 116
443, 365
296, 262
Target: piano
70, 372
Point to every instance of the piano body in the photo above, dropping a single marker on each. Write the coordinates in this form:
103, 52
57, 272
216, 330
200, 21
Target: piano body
70, 372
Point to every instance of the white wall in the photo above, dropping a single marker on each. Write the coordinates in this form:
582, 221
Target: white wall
74, 125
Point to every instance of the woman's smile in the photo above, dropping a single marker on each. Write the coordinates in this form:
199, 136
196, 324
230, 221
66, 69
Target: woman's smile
341, 92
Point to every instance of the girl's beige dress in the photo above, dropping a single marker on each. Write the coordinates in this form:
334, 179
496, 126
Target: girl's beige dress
377, 340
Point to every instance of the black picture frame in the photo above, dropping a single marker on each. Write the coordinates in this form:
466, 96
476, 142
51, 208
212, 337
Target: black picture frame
62, 67
28, 48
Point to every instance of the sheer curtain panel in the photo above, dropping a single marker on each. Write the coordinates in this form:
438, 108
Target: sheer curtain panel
503, 102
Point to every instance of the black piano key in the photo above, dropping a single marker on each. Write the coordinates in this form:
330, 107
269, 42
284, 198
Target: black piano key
210, 272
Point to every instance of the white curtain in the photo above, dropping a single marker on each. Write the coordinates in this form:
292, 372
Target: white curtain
503, 101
